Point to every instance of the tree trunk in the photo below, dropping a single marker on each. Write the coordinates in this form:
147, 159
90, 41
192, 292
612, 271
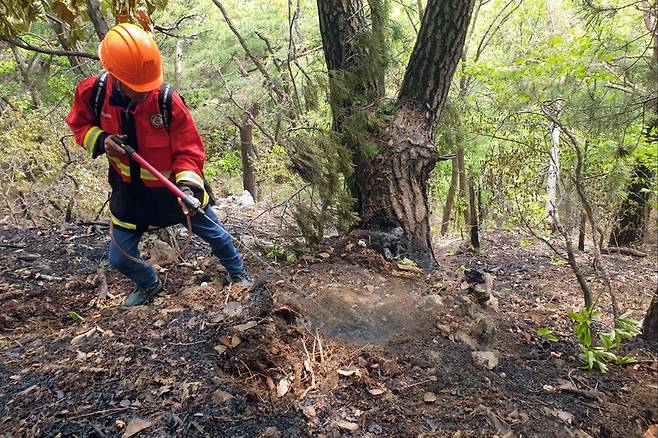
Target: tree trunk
650, 324
395, 195
179, 62
345, 33
630, 224
631, 219
247, 150
97, 18
473, 220
450, 198
461, 171
582, 228
552, 177
27, 80
394, 182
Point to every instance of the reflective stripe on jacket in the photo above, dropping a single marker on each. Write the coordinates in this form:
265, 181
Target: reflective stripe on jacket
177, 152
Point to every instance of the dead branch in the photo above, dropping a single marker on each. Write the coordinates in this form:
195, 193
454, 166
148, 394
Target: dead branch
247, 50
623, 251
23, 45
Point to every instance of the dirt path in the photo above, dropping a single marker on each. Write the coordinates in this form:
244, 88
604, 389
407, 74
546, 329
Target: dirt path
344, 343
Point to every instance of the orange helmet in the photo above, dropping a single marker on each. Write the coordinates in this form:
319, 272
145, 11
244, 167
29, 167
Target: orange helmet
129, 54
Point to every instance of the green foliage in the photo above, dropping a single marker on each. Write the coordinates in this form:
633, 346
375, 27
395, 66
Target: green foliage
38, 164
321, 160
547, 334
75, 317
598, 356
277, 253
227, 163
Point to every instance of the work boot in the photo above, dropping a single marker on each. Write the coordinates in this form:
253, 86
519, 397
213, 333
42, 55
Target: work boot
241, 278
140, 295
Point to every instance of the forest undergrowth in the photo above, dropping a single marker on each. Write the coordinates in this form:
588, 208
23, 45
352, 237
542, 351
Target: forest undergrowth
339, 342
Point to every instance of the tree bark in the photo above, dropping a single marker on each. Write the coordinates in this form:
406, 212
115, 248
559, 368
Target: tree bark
97, 18
650, 324
247, 150
631, 220
391, 186
344, 28
394, 185
435, 56
461, 171
630, 224
582, 228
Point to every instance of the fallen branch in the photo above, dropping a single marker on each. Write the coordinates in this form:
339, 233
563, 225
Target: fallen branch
623, 251
11, 245
102, 288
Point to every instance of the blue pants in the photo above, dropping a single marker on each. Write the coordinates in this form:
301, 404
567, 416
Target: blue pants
145, 276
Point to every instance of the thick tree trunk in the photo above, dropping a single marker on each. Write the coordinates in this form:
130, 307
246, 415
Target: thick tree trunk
97, 18
247, 150
395, 188
355, 74
450, 198
650, 324
631, 220
394, 183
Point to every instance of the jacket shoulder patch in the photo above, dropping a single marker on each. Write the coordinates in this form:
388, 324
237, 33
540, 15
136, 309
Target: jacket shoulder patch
157, 121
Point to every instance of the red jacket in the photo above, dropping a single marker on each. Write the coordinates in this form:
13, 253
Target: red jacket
176, 152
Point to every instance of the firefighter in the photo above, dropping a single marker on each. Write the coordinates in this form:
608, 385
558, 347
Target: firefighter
130, 100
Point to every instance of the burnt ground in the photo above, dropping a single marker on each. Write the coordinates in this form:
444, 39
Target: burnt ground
339, 343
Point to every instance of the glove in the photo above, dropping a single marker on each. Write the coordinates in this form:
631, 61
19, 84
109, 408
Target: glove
189, 191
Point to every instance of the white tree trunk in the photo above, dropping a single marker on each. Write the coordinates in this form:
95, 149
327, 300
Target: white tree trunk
552, 178
179, 62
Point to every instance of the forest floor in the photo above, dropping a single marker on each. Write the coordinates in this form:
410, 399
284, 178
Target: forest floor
338, 343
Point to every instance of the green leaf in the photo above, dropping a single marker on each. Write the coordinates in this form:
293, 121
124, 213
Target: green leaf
75, 317
625, 360
547, 334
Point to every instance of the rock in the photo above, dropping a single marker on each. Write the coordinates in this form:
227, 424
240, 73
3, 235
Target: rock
375, 428
464, 338
484, 331
271, 432
487, 359
243, 200
221, 397
480, 285
466, 307
433, 300
347, 425
429, 397
232, 309
249, 241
